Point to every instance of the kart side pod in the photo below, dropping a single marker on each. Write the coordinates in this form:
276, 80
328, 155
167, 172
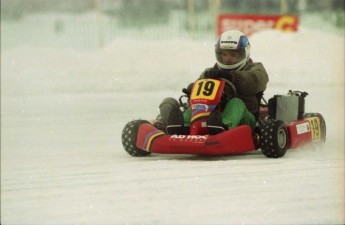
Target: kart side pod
310, 129
276, 136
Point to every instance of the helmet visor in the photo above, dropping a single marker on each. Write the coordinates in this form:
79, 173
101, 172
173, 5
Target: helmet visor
230, 56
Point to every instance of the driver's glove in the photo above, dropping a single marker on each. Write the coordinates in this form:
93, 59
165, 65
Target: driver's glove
216, 74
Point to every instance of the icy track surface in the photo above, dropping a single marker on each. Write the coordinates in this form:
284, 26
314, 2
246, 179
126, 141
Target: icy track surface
62, 161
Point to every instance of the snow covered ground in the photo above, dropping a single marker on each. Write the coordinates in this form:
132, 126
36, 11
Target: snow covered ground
62, 161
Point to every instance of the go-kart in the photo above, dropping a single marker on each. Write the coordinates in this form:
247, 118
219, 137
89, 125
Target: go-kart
281, 124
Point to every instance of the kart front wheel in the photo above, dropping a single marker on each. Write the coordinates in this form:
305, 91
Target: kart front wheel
274, 139
129, 138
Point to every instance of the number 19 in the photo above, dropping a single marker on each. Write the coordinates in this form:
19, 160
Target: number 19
206, 88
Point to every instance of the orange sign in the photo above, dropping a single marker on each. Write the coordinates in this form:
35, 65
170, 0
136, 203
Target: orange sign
250, 24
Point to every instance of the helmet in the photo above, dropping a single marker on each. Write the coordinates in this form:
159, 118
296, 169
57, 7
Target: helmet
232, 50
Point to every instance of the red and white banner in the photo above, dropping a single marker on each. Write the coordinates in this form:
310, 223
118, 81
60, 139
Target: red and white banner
250, 24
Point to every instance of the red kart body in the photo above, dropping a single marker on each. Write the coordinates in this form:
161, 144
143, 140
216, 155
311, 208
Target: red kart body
235, 141
141, 138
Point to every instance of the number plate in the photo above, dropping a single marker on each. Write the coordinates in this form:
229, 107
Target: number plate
315, 128
205, 89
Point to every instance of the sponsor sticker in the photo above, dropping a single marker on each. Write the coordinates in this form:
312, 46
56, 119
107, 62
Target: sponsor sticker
200, 107
303, 128
189, 137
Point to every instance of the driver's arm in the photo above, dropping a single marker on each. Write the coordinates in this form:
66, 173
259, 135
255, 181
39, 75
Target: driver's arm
250, 81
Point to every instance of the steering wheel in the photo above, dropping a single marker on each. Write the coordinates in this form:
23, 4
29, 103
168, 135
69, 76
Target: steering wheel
233, 91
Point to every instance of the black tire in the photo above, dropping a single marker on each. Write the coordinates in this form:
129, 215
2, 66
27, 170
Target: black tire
274, 138
322, 124
129, 138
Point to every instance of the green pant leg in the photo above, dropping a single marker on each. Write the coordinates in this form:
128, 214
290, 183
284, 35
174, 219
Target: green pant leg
236, 113
187, 116
248, 119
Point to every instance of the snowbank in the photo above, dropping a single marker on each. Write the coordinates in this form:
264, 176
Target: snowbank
293, 60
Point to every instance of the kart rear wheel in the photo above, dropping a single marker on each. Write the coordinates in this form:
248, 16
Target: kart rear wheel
274, 138
129, 138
